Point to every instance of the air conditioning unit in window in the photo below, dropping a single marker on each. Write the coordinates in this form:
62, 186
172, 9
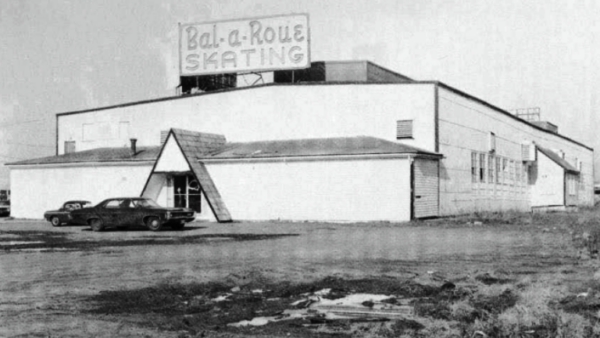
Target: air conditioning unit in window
528, 152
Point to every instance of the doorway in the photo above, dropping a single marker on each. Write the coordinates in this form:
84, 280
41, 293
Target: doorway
187, 192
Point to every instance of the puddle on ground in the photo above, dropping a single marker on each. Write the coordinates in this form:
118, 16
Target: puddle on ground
20, 242
358, 306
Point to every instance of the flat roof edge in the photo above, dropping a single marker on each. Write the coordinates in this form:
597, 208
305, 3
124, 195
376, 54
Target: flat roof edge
227, 90
500, 110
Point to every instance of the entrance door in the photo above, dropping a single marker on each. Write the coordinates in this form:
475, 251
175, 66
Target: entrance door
426, 188
186, 192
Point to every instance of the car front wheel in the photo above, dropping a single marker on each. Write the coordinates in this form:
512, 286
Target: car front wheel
153, 223
97, 225
55, 221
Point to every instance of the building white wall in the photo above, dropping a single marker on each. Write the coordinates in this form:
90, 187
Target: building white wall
464, 127
356, 190
39, 189
273, 112
547, 182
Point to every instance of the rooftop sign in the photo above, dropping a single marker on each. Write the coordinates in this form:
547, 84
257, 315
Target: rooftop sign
246, 45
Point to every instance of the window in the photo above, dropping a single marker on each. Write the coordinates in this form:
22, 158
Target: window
474, 167
113, 204
404, 129
492, 142
482, 163
491, 168
511, 172
498, 171
504, 171
69, 147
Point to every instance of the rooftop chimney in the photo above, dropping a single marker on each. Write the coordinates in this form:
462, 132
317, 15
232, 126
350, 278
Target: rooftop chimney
133, 148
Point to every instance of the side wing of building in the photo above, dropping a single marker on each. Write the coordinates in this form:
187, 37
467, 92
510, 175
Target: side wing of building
484, 167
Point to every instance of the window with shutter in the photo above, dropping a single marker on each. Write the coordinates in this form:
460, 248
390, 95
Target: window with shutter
404, 129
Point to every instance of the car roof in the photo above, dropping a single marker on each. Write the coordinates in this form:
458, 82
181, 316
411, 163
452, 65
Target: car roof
126, 198
77, 201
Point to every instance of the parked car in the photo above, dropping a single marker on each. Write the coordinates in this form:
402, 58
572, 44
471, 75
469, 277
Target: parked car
60, 216
120, 212
4, 208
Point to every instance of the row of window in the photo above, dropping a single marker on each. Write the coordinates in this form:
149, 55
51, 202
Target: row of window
492, 169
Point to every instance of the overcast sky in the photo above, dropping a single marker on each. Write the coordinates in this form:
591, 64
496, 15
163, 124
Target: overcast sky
59, 56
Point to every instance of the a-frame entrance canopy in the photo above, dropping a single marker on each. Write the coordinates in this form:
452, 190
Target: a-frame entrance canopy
180, 153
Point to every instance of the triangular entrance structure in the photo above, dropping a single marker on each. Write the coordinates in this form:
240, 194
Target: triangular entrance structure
180, 152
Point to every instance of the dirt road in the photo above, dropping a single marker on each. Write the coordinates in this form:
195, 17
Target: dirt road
48, 272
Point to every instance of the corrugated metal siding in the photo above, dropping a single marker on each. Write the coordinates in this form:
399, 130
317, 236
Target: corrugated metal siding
426, 185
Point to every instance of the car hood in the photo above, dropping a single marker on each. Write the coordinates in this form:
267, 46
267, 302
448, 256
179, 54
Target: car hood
175, 209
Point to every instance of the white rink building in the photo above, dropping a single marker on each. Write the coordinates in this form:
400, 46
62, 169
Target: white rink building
340, 141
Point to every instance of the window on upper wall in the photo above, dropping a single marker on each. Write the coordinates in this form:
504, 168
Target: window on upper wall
404, 129
492, 142
69, 147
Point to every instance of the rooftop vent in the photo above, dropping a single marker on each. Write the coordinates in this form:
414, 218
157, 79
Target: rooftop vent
546, 125
532, 115
133, 146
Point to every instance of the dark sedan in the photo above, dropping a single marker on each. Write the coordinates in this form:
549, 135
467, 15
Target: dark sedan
121, 212
60, 216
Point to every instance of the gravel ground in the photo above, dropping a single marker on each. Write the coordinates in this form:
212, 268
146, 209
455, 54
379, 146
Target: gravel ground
46, 272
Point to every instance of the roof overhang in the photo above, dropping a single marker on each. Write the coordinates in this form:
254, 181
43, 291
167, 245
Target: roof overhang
317, 158
82, 164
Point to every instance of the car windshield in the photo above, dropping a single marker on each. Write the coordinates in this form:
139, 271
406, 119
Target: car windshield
145, 203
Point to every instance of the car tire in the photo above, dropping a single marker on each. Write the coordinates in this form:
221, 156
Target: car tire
55, 221
153, 223
97, 225
178, 225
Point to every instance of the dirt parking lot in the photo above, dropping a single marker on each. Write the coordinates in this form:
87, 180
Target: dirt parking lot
53, 279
